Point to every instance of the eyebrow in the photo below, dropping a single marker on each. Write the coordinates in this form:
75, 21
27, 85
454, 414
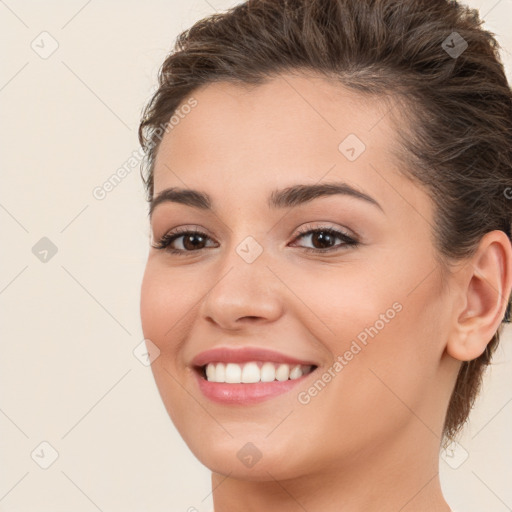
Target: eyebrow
284, 198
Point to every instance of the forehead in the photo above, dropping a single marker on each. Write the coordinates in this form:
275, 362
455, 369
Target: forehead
300, 112
293, 128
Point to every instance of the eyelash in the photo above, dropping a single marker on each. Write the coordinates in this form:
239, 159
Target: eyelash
168, 238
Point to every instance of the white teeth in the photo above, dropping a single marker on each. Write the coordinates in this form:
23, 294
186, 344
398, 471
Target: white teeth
233, 373
282, 372
220, 372
268, 372
295, 372
210, 373
252, 372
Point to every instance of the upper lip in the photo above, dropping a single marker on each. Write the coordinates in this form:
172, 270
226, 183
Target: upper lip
245, 355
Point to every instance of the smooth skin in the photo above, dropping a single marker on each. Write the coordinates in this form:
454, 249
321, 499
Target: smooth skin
369, 440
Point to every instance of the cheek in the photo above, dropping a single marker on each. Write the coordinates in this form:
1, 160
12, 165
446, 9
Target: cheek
167, 298
164, 304
338, 303
381, 326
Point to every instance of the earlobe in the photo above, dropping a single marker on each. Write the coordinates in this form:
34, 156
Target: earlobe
467, 345
486, 283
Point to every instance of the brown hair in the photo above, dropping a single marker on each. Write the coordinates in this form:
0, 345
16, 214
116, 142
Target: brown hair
430, 55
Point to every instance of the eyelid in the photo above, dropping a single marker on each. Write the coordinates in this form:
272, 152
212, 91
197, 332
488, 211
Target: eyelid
187, 228
306, 228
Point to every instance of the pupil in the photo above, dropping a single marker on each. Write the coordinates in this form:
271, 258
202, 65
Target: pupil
323, 237
189, 239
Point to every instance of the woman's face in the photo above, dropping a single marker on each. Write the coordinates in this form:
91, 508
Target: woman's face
372, 316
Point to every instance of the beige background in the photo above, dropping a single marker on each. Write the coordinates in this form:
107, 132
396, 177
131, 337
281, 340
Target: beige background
68, 375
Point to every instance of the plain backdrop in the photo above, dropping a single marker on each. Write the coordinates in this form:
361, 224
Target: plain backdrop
74, 78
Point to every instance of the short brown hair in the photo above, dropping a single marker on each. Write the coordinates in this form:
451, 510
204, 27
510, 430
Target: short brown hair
433, 55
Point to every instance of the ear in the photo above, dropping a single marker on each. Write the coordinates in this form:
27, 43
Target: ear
486, 283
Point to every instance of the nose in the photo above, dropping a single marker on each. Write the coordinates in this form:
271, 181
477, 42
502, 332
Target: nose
243, 294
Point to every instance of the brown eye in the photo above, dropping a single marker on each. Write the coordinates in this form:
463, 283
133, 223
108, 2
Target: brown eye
193, 241
183, 241
324, 239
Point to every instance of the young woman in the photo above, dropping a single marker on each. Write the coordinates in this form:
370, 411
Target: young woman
331, 259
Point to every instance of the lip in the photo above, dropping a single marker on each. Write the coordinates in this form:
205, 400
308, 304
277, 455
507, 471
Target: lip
246, 394
245, 355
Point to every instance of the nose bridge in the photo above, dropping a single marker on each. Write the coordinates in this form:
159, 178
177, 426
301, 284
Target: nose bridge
243, 286
247, 251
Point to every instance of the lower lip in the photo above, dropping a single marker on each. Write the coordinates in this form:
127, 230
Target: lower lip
245, 394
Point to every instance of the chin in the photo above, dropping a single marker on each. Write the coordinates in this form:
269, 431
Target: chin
254, 461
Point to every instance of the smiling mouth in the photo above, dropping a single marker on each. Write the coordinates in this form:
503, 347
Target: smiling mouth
252, 372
